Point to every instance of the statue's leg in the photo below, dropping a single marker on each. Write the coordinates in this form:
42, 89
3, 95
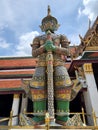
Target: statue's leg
63, 87
38, 92
62, 111
39, 108
62, 106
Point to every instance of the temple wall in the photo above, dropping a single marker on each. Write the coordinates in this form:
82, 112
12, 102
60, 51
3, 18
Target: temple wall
91, 99
88, 107
24, 104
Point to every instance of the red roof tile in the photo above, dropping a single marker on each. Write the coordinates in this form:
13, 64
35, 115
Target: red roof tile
19, 62
10, 63
10, 84
17, 72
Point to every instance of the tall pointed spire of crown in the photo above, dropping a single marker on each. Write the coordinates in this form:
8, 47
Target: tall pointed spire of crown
49, 22
49, 10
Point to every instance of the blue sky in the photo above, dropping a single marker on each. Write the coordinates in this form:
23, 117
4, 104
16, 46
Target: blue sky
20, 20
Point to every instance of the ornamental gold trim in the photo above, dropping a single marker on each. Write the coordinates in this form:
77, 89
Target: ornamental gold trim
88, 68
16, 95
65, 83
37, 83
41, 63
63, 96
38, 97
90, 48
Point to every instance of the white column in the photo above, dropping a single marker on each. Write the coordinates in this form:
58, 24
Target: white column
24, 103
88, 107
92, 94
15, 108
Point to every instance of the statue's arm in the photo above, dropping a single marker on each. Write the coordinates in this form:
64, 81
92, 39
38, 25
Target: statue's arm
36, 48
64, 49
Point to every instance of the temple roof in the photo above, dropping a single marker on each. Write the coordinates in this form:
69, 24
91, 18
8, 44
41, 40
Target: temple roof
90, 55
91, 29
10, 86
13, 70
18, 73
90, 40
17, 62
87, 57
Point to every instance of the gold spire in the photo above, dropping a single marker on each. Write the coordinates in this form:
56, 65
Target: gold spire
89, 23
49, 10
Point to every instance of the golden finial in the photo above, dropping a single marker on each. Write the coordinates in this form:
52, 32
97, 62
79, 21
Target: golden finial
89, 23
49, 10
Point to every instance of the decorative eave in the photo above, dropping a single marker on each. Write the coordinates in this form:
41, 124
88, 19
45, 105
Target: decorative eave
79, 63
18, 73
11, 86
90, 55
87, 57
90, 40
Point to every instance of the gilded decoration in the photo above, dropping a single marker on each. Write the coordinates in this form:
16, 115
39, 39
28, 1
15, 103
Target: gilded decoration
36, 83
64, 94
63, 83
16, 95
38, 94
88, 68
93, 43
90, 40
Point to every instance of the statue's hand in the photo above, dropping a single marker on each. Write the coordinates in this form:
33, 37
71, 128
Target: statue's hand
49, 46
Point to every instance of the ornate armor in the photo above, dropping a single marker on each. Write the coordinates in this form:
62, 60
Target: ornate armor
61, 79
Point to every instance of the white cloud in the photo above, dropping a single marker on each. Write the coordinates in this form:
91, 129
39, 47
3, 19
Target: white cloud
74, 39
19, 15
80, 11
90, 9
24, 48
3, 43
6, 13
